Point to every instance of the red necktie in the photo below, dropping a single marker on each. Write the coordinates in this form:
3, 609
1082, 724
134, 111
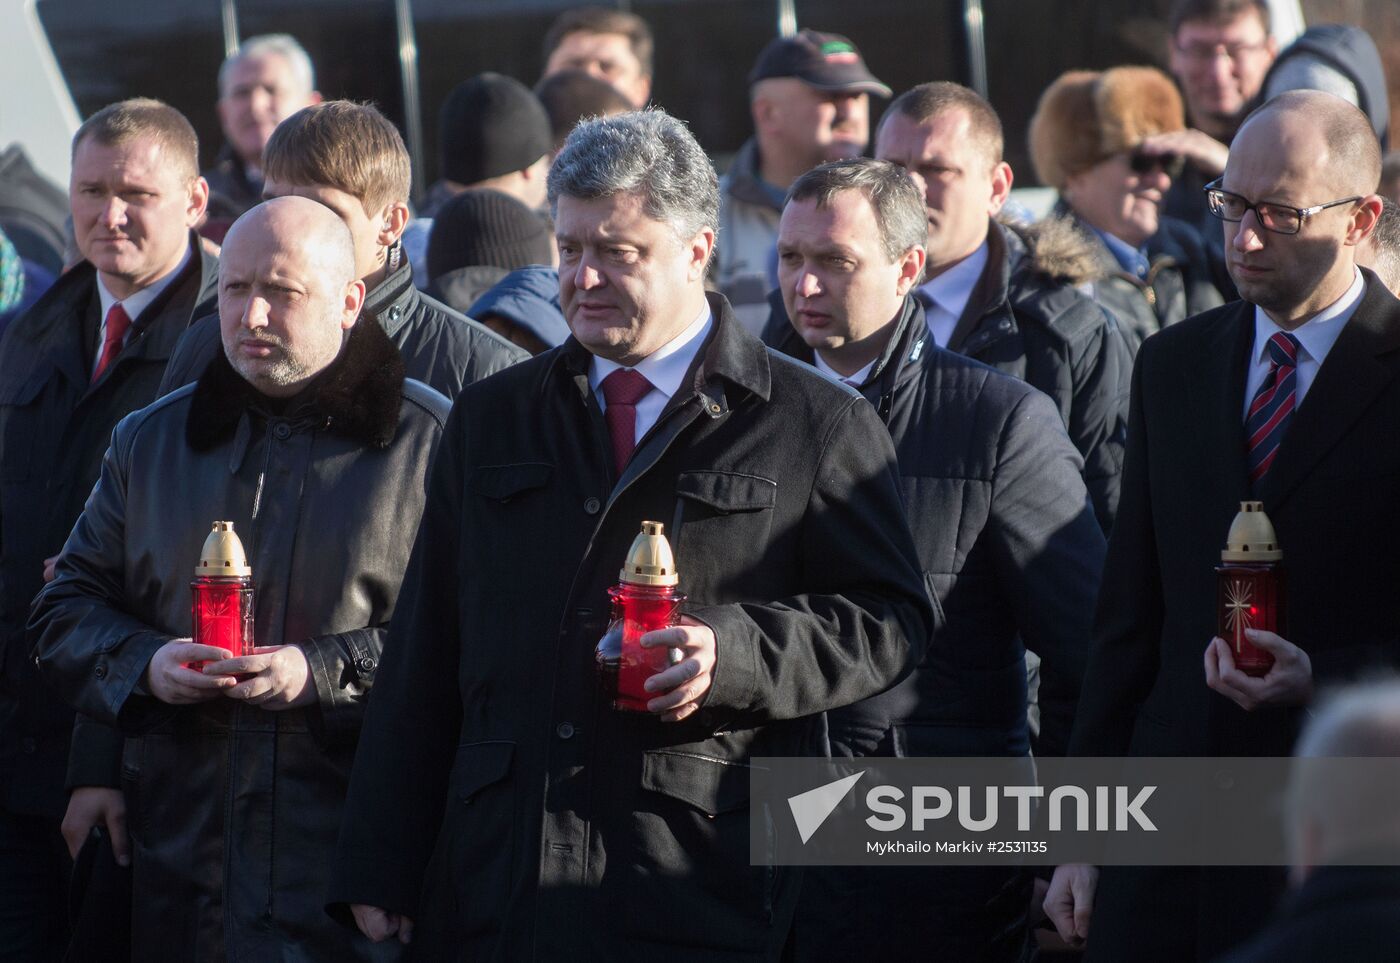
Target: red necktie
118, 324
622, 390
1272, 407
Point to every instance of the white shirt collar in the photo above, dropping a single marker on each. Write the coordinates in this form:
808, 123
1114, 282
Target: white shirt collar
1316, 335
142, 299
951, 289
858, 378
665, 367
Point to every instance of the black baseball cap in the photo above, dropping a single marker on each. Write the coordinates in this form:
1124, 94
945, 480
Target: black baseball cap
826, 61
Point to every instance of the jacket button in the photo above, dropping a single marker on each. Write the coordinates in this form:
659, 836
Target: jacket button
395, 313
30, 746
101, 670
282, 431
365, 664
592, 506
565, 731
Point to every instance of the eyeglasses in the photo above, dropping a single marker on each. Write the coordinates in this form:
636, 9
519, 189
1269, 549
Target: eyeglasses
1279, 218
1202, 53
1142, 162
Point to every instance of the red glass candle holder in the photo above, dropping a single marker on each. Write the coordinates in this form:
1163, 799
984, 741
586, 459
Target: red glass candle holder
221, 595
1251, 590
1250, 597
624, 665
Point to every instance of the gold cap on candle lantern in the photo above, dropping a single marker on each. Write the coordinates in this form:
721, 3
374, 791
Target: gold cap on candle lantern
1251, 537
222, 555
649, 560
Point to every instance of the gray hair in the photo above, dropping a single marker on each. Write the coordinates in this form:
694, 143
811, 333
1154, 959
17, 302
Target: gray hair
898, 205
647, 152
282, 45
1354, 813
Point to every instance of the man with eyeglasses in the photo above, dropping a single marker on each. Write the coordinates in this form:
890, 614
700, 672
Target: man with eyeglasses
1290, 397
1219, 52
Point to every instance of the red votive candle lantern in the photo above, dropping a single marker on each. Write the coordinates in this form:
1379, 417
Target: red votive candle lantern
1250, 587
644, 599
222, 594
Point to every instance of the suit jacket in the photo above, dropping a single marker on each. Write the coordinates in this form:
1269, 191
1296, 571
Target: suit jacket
55, 425
1331, 494
545, 824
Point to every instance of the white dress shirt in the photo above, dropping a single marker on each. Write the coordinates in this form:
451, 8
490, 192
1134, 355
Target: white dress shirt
1315, 338
949, 292
665, 368
134, 305
856, 380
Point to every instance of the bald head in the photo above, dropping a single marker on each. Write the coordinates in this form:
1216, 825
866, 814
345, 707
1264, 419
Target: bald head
298, 223
1312, 127
287, 293
1314, 153
1338, 808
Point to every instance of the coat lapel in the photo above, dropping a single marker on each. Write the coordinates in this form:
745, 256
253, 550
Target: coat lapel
1345, 386
1218, 393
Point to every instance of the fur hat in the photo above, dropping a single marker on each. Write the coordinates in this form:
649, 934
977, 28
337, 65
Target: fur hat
1087, 116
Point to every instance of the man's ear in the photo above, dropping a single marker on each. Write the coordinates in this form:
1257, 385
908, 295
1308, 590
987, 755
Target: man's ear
702, 245
394, 219
1364, 219
1002, 178
911, 269
198, 201
354, 300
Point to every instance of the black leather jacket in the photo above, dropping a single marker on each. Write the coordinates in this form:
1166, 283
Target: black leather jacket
232, 809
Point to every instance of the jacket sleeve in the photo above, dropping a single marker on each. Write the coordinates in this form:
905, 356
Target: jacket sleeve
866, 619
342, 667
89, 650
95, 756
394, 805
1101, 368
1049, 554
1127, 634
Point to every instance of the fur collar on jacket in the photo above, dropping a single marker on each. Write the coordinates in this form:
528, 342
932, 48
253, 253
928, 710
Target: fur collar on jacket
358, 396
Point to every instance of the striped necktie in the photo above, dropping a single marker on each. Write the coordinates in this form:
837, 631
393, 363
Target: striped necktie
1272, 407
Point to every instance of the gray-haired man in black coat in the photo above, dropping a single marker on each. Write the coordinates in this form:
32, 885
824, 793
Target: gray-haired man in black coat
498, 802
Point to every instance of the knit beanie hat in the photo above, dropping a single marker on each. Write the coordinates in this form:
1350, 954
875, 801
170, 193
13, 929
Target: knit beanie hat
1087, 116
487, 227
491, 125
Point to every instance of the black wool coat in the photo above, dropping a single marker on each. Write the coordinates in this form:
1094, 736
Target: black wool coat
54, 427
497, 799
1331, 495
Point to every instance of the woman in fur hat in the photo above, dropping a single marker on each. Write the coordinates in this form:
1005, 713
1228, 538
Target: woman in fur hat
1086, 141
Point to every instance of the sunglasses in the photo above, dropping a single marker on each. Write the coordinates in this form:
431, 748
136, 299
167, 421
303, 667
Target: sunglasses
1142, 162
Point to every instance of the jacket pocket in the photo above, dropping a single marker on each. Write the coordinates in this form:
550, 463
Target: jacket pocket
504, 482
18, 432
719, 513
480, 836
727, 492
689, 848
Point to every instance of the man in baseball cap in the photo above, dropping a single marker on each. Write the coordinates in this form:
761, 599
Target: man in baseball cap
810, 99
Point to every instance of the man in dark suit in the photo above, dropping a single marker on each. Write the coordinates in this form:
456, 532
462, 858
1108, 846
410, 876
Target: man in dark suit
90, 351
1007, 541
1339, 816
1292, 397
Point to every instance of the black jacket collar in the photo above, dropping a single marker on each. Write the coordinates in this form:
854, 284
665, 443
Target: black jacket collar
909, 344
393, 299
359, 396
